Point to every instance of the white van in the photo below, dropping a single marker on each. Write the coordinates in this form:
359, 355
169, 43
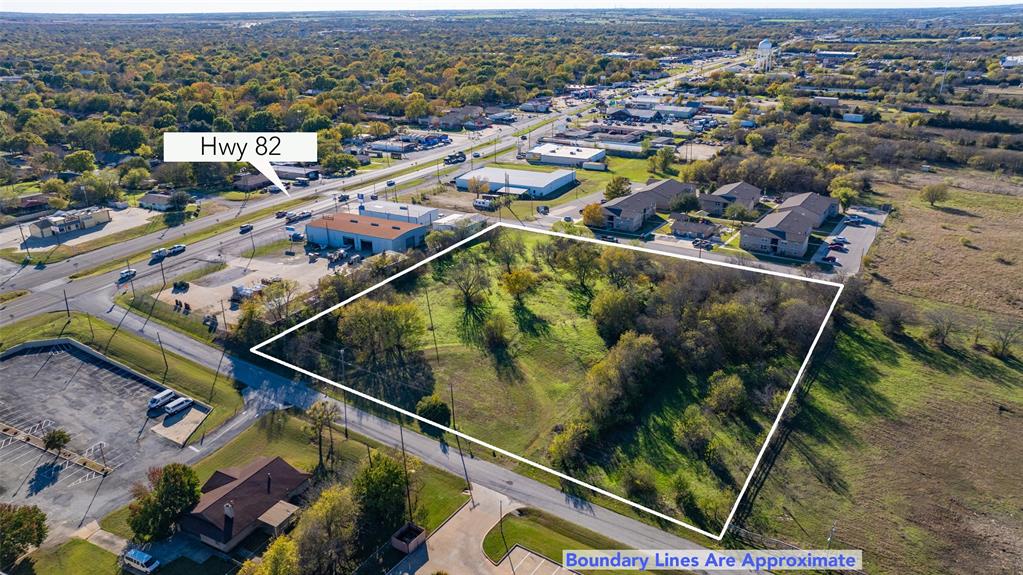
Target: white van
140, 561
161, 399
179, 404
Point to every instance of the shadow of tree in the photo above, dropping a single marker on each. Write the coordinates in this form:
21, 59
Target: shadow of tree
45, 475
528, 322
470, 325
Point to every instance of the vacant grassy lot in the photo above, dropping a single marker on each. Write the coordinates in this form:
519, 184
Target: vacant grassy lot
910, 451
521, 397
963, 251
137, 353
80, 557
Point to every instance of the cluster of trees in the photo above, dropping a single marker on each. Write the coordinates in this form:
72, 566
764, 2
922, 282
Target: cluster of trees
168, 493
22, 527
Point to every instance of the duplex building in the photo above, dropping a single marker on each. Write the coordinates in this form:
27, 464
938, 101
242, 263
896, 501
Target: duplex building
401, 212
63, 222
629, 213
365, 233
559, 155
741, 193
685, 227
665, 192
821, 207
235, 502
525, 183
785, 233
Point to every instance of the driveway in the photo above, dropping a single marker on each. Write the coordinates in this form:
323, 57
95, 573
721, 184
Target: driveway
457, 547
860, 237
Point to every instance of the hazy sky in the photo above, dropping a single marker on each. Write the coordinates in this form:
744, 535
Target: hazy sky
195, 6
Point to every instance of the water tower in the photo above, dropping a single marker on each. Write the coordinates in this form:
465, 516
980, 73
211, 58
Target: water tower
765, 55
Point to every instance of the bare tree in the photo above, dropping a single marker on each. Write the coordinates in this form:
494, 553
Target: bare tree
469, 275
943, 323
1006, 334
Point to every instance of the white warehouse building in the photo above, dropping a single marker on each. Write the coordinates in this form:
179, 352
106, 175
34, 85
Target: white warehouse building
561, 155
525, 183
402, 212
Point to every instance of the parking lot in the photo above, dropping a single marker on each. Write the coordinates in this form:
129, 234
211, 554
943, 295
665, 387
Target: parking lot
104, 410
848, 260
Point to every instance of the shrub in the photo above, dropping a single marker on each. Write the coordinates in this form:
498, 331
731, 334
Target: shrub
566, 449
692, 432
432, 407
495, 333
685, 499
638, 483
726, 394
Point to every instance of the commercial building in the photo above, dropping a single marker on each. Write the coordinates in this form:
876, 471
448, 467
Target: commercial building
296, 172
401, 212
467, 223
559, 155
526, 183
365, 233
236, 501
62, 222
250, 182
394, 145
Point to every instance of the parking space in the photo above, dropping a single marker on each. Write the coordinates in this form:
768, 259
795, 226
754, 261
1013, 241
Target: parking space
857, 240
120, 220
104, 410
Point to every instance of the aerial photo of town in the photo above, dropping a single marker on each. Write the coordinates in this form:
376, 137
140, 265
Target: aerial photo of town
484, 290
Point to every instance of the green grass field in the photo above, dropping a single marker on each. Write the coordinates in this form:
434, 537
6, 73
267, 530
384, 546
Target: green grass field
137, 353
79, 557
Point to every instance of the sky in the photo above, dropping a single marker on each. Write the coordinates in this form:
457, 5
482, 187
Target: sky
208, 6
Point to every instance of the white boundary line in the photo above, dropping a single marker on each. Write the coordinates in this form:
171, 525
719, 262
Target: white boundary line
763, 449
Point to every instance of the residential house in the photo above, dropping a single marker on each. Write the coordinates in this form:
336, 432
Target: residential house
235, 502
629, 213
156, 201
822, 207
685, 227
741, 193
665, 192
784, 233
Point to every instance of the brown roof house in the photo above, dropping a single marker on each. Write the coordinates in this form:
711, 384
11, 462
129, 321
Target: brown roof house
746, 195
237, 501
665, 192
158, 201
784, 233
823, 207
628, 213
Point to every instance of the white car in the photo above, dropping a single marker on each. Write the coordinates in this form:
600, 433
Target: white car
127, 274
179, 404
176, 249
840, 240
161, 399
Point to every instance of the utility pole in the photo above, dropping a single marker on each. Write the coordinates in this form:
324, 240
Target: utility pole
162, 276
404, 462
24, 242
166, 366
67, 306
344, 394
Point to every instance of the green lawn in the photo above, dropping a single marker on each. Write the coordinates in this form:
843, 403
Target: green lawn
544, 534
77, 556
137, 353
11, 295
145, 303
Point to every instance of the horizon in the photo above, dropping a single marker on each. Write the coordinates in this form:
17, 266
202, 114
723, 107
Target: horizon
240, 7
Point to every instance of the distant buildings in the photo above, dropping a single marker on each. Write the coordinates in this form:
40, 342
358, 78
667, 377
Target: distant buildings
365, 233
1012, 61
741, 193
537, 106
402, 212
527, 183
559, 155
63, 222
833, 57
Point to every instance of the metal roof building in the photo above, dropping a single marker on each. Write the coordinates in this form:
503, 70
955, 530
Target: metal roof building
519, 182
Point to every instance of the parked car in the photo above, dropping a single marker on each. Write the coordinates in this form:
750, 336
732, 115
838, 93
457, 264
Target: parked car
829, 259
609, 238
837, 247
140, 561
244, 228
178, 405
176, 249
127, 275
161, 399
567, 219
840, 240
